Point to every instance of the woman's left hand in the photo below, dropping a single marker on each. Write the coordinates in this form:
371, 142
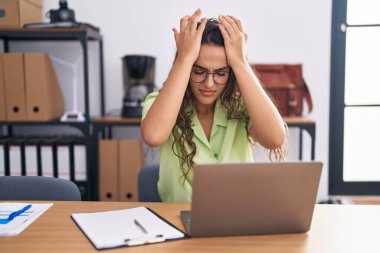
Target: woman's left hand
235, 39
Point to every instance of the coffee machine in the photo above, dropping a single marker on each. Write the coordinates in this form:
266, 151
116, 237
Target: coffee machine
138, 76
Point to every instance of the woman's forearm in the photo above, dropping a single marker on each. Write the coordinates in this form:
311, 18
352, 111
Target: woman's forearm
267, 124
161, 117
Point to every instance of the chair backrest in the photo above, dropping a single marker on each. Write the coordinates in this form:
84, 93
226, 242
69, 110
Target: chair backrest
147, 184
37, 188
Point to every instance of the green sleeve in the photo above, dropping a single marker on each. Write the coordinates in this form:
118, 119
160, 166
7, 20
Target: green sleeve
148, 103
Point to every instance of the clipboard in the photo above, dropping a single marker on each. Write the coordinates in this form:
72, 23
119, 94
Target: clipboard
125, 228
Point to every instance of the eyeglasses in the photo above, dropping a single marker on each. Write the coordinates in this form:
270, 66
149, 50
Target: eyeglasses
219, 77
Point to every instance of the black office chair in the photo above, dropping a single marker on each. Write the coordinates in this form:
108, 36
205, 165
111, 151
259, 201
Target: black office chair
147, 184
37, 188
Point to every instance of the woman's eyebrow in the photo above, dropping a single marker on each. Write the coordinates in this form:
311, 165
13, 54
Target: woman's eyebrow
219, 69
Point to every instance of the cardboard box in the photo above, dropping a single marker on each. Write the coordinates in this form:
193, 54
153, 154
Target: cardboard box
131, 155
108, 170
44, 99
15, 100
16, 13
2, 91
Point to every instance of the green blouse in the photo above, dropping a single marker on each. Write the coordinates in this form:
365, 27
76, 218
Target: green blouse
228, 143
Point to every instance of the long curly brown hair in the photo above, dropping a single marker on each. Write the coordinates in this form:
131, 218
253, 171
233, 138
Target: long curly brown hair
231, 103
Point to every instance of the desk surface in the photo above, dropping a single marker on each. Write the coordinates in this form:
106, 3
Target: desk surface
335, 228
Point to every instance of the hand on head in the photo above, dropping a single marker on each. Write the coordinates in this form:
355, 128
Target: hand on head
235, 39
188, 38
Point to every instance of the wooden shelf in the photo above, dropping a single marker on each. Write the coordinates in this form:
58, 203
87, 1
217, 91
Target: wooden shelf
116, 120
48, 33
298, 121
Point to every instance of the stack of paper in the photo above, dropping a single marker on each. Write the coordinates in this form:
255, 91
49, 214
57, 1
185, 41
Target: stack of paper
127, 227
15, 217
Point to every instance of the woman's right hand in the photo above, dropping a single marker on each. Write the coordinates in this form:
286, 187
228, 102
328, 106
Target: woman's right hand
188, 41
188, 38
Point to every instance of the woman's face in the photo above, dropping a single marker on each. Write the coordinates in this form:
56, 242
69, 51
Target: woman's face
209, 74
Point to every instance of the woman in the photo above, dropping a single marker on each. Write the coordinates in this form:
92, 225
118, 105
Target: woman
211, 107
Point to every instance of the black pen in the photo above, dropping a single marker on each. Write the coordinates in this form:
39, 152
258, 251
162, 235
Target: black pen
138, 224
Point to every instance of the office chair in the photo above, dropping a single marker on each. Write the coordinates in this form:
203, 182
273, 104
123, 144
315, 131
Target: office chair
37, 188
147, 184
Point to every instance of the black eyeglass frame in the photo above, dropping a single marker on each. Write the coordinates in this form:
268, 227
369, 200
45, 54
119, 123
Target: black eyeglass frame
213, 75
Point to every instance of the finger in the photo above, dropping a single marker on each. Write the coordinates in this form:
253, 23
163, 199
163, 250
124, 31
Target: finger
176, 34
224, 32
192, 25
227, 26
202, 26
240, 26
233, 24
183, 23
238, 23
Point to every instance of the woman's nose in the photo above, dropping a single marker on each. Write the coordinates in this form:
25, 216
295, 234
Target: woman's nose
209, 82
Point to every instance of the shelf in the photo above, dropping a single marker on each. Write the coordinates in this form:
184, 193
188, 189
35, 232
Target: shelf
54, 122
49, 34
296, 121
82, 126
290, 121
116, 120
82, 35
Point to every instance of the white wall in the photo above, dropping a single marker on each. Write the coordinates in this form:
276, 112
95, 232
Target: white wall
280, 31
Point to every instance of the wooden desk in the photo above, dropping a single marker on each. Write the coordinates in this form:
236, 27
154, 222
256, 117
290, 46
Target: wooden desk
335, 228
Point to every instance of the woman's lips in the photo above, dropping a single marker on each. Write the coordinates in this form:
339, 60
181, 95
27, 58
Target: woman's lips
207, 93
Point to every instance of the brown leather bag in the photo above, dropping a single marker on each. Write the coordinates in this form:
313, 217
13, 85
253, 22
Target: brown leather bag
286, 86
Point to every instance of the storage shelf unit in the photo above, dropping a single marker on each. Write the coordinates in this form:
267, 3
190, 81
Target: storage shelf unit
60, 148
103, 126
83, 36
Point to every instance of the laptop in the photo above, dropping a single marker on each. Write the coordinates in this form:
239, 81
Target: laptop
252, 198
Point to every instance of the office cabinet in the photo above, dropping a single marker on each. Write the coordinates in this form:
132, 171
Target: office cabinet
59, 150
